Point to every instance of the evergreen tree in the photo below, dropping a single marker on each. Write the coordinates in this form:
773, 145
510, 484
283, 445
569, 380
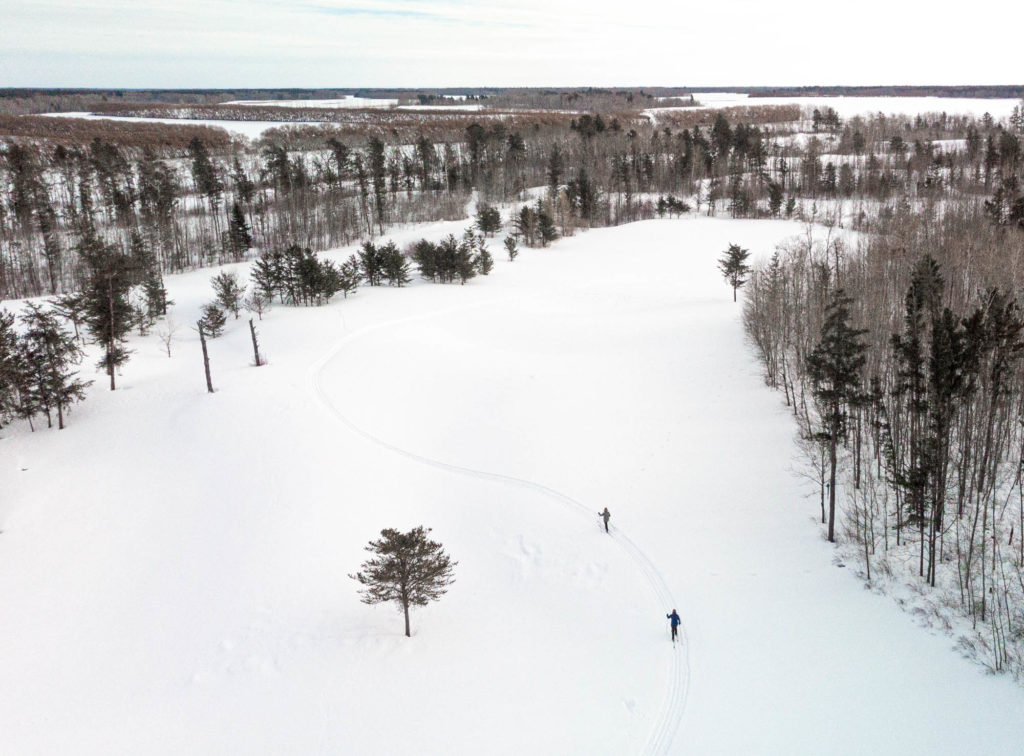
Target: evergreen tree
406, 568
109, 315
349, 275
11, 368
378, 174
73, 307
775, 197
370, 263
834, 369
213, 320
511, 247
50, 353
239, 236
204, 173
394, 265
555, 169
228, 290
546, 230
734, 267
244, 186
268, 274
526, 225
488, 219
342, 155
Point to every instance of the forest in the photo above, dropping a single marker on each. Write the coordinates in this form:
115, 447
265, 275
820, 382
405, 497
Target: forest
899, 350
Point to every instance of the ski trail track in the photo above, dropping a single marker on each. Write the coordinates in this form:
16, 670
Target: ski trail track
673, 707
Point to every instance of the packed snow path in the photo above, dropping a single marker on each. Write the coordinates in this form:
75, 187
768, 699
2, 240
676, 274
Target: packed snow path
674, 705
173, 565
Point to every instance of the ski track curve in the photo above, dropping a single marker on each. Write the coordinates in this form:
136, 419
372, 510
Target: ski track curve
673, 708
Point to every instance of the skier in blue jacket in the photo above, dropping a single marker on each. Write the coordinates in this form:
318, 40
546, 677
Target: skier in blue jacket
674, 620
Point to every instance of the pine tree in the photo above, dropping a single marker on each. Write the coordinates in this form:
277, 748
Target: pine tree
483, 261
109, 315
834, 369
268, 275
349, 275
204, 173
73, 307
239, 235
50, 353
526, 225
511, 247
378, 174
488, 219
394, 265
407, 568
10, 367
775, 197
370, 263
734, 267
546, 229
228, 290
213, 320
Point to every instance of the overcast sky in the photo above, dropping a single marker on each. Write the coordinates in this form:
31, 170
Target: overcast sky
436, 43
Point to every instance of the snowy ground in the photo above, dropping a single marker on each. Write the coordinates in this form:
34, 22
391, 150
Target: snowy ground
173, 565
248, 129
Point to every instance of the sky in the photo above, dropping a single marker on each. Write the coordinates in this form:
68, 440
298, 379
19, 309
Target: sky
444, 43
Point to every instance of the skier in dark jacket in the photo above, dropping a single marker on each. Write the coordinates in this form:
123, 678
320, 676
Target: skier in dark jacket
605, 515
674, 620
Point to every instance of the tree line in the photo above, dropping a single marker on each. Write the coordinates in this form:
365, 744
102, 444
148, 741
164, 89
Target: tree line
902, 360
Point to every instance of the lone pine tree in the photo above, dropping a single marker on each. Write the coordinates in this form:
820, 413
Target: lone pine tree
407, 568
733, 265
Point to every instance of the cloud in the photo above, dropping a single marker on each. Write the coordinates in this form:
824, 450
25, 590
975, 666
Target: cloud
349, 43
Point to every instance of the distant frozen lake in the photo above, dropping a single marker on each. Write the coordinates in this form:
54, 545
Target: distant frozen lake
847, 107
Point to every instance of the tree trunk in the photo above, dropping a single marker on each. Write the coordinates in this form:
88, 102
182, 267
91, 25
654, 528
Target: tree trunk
405, 607
206, 358
110, 341
255, 343
832, 489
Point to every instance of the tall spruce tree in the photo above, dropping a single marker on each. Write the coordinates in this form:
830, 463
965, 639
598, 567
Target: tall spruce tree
834, 369
407, 568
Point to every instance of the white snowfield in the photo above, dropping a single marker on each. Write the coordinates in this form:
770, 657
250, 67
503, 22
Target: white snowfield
173, 566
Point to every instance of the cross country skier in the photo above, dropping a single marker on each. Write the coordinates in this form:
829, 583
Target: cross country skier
674, 619
605, 515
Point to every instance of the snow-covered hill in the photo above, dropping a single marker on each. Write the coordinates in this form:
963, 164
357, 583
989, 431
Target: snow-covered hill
173, 566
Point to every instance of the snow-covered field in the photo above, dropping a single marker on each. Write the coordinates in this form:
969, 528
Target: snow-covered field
173, 565
249, 129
